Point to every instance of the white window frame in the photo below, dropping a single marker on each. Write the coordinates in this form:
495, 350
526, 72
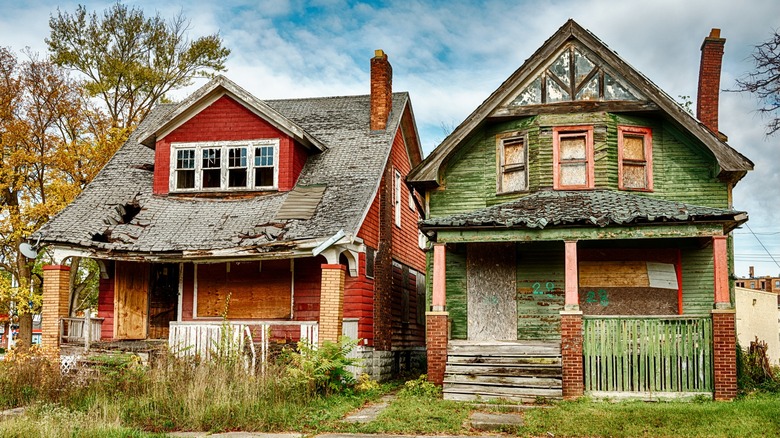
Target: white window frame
397, 197
224, 146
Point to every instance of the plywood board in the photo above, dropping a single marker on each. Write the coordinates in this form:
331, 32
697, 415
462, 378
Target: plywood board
613, 274
254, 293
628, 301
491, 285
131, 300
662, 275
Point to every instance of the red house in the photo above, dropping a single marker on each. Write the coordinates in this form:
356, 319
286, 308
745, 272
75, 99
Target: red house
290, 219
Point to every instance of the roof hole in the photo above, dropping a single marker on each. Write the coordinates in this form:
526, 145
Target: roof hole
130, 211
100, 237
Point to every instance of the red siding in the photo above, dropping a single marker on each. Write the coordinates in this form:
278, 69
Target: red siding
405, 248
369, 231
359, 301
106, 306
228, 120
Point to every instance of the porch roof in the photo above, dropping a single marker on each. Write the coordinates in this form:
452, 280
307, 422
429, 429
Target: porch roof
593, 208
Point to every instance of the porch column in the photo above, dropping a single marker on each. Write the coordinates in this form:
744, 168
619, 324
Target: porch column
331, 302
720, 262
724, 335
571, 328
436, 332
571, 299
56, 293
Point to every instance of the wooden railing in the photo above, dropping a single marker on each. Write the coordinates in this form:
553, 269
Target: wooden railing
72, 330
647, 354
207, 338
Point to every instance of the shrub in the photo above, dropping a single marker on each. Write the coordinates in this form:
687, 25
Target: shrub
753, 370
366, 384
321, 370
420, 387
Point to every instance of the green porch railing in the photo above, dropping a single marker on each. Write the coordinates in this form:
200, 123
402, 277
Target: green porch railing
647, 354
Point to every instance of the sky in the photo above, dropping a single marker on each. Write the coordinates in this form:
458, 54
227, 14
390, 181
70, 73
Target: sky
450, 55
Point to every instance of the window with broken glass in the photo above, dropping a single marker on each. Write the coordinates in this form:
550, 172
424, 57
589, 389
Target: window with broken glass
512, 162
224, 166
573, 157
635, 158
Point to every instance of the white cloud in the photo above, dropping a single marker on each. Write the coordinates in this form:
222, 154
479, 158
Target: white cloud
450, 55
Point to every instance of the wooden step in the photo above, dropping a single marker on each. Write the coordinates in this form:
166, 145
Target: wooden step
519, 371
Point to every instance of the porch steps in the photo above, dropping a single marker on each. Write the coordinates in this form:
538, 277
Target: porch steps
518, 371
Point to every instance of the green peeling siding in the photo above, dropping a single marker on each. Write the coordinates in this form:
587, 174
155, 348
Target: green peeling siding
697, 279
540, 267
457, 300
682, 170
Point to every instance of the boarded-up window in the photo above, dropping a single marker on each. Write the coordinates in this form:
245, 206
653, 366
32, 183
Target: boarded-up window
573, 157
634, 158
244, 290
512, 156
405, 294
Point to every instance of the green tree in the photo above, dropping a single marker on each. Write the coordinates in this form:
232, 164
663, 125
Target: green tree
41, 110
764, 81
131, 61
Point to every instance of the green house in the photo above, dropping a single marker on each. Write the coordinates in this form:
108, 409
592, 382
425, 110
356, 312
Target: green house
579, 222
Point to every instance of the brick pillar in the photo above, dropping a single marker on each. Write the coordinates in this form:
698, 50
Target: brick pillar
436, 335
331, 302
56, 293
571, 354
724, 354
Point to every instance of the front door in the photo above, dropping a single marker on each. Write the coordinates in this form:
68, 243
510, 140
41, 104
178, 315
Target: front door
131, 300
491, 283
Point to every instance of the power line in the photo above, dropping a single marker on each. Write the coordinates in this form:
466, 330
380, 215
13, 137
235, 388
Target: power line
762, 245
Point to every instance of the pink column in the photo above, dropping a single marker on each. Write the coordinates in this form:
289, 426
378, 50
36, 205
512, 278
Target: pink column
439, 298
720, 261
436, 326
572, 301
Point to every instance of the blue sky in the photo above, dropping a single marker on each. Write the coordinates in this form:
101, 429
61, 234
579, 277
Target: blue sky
450, 55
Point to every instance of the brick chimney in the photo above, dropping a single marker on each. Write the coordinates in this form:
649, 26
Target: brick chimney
752, 272
381, 90
709, 80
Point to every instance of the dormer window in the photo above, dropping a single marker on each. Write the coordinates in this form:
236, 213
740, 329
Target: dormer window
224, 166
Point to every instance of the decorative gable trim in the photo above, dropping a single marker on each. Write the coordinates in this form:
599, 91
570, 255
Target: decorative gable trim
216, 88
733, 165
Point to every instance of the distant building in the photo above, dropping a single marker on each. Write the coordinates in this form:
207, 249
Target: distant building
765, 283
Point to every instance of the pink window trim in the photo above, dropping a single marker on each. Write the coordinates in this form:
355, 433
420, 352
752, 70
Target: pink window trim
588, 130
647, 133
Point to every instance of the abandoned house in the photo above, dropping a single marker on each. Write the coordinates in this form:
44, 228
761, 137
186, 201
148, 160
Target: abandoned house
284, 220
580, 223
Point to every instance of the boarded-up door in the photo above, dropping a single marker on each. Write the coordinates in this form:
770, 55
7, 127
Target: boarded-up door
131, 300
163, 299
491, 284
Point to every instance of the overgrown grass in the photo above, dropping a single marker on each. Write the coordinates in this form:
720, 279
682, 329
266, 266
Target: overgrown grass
294, 394
751, 416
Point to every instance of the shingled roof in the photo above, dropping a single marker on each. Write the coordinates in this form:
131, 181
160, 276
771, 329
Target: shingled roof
117, 214
547, 209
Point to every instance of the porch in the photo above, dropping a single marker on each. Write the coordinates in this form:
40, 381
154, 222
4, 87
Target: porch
633, 319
